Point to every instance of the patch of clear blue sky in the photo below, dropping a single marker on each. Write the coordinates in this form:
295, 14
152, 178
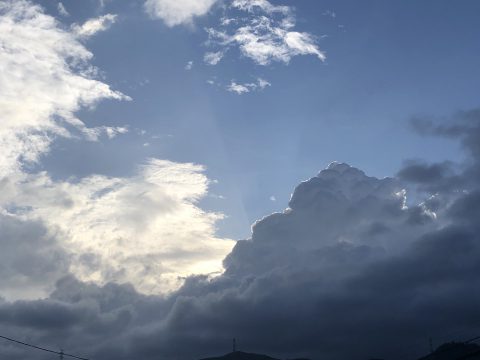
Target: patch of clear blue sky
386, 61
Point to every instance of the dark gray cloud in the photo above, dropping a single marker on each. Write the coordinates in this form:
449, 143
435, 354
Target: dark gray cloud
348, 271
30, 258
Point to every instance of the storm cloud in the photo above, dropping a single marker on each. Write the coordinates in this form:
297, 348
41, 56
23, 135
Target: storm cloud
348, 270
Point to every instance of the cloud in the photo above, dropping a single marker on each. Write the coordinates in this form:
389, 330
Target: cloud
247, 87
113, 132
62, 10
262, 83
178, 12
330, 13
265, 34
93, 26
264, 5
213, 58
424, 173
31, 258
348, 261
46, 79
146, 230
238, 88
189, 65
343, 263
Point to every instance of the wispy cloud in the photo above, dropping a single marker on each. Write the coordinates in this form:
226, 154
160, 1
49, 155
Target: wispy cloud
240, 89
213, 58
189, 65
93, 26
46, 78
62, 10
330, 13
265, 34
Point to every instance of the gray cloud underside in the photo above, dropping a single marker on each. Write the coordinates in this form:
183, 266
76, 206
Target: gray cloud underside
347, 271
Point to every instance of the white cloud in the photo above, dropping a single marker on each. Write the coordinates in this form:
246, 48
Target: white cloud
213, 58
238, 88
178, 12
113, 132
248, 87
265, 34
46, 78
146, 229
189, 65
266, 6
93, 26
62, 10
262, 83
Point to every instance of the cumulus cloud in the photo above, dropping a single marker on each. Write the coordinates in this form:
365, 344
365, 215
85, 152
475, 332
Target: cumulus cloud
264, 34
93, 26
178, 12
45, 80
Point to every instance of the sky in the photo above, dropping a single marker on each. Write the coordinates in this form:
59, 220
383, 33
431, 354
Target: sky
176, 173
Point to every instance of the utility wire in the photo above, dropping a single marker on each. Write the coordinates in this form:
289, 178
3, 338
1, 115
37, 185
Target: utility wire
40, 348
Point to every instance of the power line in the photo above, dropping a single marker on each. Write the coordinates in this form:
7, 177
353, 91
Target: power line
61, 353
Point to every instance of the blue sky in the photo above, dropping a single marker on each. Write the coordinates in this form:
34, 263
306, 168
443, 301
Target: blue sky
386, 61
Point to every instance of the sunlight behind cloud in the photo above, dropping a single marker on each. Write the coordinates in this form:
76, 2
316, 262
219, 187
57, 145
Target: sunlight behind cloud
146, 230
